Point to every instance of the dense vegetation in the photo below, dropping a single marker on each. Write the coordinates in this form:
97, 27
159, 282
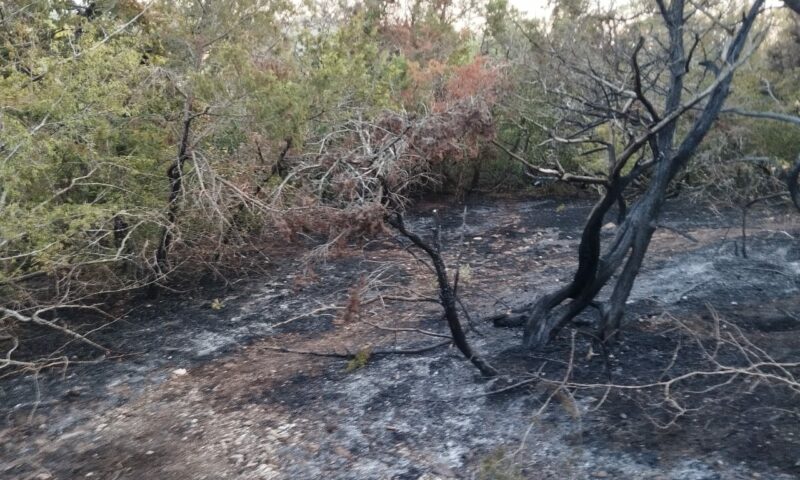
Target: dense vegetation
142, 140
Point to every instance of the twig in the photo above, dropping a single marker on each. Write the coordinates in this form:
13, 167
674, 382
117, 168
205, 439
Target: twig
407, 329
305, 315
348, 356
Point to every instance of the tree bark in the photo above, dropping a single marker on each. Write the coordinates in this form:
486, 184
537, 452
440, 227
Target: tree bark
633, 237
175, 177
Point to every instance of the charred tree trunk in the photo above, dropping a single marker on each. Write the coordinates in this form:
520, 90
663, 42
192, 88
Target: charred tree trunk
791, 181
447, 296
547, 315
175, 177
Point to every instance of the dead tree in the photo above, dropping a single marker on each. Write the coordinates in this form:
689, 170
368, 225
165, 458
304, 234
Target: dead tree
644, 142
447, 295
175, 176
370, 165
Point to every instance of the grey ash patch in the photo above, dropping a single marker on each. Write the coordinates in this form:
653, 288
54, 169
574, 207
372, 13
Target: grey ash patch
240, 413
715, 274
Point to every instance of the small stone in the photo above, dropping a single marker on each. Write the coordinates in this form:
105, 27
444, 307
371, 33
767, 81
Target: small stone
430, 476
266, 471
443, 470
237, 458
343, 452
600, 474
179, 372
149, 452
623, 416
74, 392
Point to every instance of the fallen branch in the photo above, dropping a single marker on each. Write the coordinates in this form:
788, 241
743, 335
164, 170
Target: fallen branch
37, 319
350, 356
407, 329
304, 315
678, 232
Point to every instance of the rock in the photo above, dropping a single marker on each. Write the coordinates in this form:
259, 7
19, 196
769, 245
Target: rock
266, 472
69, 435
179, 372
609, 227
343, 452
74, 392
443, 470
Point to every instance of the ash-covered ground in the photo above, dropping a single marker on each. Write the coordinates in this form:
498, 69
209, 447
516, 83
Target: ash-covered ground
196, 392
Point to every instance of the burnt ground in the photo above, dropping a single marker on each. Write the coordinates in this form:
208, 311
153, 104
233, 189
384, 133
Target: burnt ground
199, 392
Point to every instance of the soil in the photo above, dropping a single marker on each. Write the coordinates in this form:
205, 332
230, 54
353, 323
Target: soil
198, 387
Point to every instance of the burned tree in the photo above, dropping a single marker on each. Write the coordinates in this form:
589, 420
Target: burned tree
611, 104
447, 292
362, 176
